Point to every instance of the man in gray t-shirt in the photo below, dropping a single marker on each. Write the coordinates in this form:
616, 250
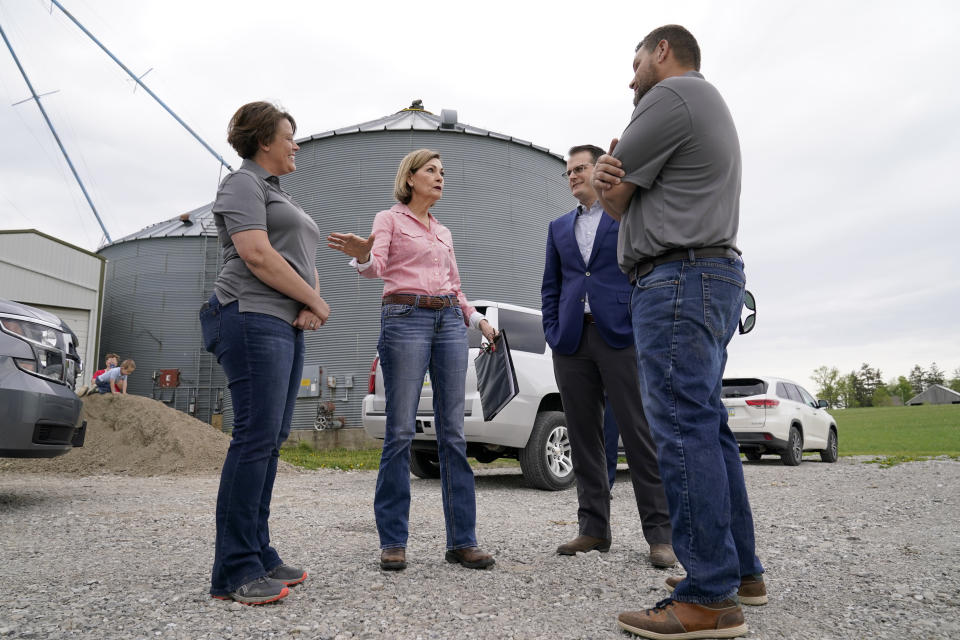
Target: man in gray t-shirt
682, 151
673, 181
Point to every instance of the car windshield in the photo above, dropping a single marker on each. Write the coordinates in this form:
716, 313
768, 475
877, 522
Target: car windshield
743, 387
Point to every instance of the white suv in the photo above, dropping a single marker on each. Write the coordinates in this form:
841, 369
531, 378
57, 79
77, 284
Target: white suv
531, 428
773, 415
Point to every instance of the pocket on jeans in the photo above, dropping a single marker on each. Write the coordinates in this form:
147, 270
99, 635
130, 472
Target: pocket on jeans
210, 324
654, 281
396, 310
722, 302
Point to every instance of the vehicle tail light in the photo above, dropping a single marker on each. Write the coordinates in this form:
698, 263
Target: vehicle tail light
372, 384
766, 402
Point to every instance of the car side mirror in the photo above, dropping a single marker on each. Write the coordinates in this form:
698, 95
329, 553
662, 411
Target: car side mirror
823, 404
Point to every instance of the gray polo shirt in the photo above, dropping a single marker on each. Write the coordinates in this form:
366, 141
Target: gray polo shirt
250, 198
682, 151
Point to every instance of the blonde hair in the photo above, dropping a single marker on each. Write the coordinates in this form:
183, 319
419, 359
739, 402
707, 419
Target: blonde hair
128, 364
410, 164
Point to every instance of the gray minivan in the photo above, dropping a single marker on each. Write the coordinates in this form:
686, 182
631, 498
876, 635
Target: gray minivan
40, 414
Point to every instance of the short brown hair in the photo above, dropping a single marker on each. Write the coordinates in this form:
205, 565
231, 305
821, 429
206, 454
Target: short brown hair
595, 151
111, 355
128, 364
253, 124
682, 43
410, 164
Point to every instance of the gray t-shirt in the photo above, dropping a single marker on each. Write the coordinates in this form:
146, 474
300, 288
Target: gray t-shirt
681, 150
250, 198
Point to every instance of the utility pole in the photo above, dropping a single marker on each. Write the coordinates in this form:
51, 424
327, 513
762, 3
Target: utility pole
43, 112
145, 87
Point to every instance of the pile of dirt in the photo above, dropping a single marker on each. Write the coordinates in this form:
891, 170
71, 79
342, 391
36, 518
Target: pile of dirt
135, 436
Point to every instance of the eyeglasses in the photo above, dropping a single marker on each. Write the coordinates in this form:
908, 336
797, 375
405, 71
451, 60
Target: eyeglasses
747, 324
580, 168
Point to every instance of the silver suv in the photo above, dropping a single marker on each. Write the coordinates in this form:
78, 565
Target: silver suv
532, 428
39, 411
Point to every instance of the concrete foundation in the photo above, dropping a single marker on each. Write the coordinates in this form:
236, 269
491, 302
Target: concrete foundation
353, 439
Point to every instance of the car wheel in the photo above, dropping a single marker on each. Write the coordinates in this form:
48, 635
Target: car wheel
546, 461
753, 456
831, 453
424, 464
794, 452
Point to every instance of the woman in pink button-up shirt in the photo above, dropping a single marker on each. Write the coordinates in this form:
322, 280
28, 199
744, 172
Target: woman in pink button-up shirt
423, 326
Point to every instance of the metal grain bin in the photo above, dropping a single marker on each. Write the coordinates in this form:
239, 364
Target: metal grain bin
156, 280
499, 197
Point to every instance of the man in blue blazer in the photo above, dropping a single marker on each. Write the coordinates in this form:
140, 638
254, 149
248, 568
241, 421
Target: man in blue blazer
587, 325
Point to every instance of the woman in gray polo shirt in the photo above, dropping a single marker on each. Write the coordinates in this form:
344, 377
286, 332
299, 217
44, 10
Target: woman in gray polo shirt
266, 295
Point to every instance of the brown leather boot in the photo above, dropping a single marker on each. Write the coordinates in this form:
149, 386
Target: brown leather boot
662, 556
582, 544
393, 559
470, 557
686, 620
752, 590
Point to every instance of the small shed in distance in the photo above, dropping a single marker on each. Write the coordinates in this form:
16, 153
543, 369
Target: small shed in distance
935, 394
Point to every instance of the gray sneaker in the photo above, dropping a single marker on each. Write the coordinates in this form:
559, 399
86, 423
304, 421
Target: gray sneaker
259, 591
287, 575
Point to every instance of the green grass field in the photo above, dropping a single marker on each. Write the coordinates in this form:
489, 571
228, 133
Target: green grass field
303, 455
893, 434
927, 430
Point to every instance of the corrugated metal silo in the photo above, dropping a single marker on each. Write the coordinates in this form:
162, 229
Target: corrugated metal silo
156, 280
500, 195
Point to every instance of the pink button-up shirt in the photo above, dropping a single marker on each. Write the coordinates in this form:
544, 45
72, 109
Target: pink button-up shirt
410, 258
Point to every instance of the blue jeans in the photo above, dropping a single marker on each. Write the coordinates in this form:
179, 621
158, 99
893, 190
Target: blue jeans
413, 340
262, 356
684, 315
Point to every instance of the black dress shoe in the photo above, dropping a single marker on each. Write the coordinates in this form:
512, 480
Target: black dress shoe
393, 559
470, 557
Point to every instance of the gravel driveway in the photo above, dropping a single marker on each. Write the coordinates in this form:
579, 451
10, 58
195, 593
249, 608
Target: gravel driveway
851, 550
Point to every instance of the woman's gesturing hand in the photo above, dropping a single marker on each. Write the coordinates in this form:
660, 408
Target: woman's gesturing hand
352, 245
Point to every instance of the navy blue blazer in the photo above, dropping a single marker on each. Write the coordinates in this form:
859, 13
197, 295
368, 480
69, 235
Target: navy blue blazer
566, 278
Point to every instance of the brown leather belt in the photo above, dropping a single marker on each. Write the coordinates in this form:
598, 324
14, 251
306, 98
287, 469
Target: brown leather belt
588, 318
427, 302
644, 267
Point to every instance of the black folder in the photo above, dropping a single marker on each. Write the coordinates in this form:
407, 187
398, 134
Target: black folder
496, 377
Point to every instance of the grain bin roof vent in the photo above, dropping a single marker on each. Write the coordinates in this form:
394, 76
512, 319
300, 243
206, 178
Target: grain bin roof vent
416, 105
448, 119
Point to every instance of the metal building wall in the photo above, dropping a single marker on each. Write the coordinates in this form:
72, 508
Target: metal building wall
43, 271
499, 197
153, 290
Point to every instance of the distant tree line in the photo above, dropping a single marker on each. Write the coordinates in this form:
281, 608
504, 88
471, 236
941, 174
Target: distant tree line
865, 387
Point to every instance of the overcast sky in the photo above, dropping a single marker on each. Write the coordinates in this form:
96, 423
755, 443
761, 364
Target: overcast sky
847, 114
